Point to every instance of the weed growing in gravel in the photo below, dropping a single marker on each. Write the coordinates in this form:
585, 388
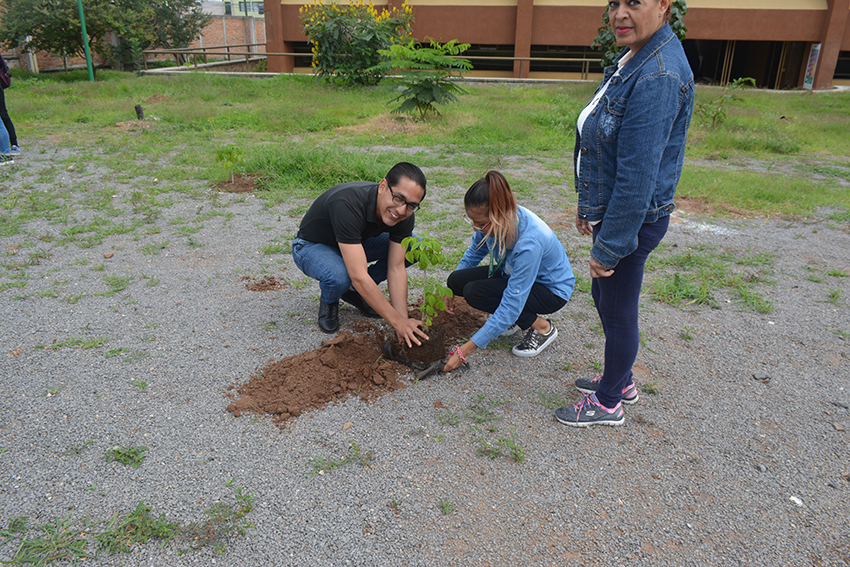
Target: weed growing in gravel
843, 334
152, 281
53, 390
650, 388
550, 401
136, 527
59, 540
132, 456
834, 297
448, 417
687, 334
321, 465
509, 443
446, 506
140, 384
115, 352
75, 450
93, 342
837, 273
222, 520
276, 249
66, 539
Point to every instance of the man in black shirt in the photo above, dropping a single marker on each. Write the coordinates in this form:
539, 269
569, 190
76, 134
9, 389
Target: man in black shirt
351, 225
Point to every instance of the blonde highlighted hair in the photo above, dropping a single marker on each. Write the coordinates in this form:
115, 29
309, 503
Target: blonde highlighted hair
494, 193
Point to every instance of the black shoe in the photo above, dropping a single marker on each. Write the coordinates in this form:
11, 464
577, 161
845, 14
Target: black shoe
355, 299
328, 316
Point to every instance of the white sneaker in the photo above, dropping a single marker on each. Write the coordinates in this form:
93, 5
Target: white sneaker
534, 342
6, 160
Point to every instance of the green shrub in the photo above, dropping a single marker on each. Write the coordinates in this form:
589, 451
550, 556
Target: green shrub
426, 73
347, 39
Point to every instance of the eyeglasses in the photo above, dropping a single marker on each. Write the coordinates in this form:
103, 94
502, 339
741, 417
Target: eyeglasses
412, 207
474, 226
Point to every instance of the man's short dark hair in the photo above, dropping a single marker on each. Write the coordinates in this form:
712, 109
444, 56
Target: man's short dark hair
404, 169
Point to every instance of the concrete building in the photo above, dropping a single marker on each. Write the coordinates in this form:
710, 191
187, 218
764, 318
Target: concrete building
777, 42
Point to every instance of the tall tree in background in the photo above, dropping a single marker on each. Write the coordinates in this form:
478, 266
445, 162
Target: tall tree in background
54, 25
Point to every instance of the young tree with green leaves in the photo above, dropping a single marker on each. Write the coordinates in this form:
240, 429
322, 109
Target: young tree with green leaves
426, 74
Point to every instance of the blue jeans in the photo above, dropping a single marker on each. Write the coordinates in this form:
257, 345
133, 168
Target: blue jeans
324, 263
616, 298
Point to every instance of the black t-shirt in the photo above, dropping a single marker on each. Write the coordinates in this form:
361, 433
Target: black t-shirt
345, 214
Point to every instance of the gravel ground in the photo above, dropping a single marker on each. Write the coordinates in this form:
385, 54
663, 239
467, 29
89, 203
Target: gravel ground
740, 458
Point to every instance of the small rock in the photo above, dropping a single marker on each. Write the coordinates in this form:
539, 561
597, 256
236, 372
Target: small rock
347, 425
71, 168
842, 404
108, 254
839, 426
762, 468
796, 501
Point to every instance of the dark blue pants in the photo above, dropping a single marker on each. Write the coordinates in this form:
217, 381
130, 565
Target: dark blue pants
7, 122
485, 294
616, 298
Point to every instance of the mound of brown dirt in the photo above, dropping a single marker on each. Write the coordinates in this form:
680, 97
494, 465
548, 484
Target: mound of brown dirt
345, 365
268, 283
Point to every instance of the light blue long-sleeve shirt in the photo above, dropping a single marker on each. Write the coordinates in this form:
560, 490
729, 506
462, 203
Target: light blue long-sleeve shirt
538, 256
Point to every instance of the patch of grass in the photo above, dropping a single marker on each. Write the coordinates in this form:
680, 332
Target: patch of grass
140, 384
650, 388
130, 456
276, 249
687, 334
115, 352
835, 297
153, 249
446, 506
223, 520
550, 401
448, 417
86, 343
134, 528
60, 540
843, 334
837, 273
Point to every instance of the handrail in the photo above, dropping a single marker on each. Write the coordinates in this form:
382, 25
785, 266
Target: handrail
585, 67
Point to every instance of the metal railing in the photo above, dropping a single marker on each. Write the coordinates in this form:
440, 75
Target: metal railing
229, 54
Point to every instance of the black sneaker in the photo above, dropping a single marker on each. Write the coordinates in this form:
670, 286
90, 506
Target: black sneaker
534, 342
328, 316
353, 298
590, 385
588, 411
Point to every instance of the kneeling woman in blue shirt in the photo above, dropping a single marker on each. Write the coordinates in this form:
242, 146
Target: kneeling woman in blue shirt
527, 274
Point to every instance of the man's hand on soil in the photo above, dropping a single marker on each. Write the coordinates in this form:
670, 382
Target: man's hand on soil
408, 330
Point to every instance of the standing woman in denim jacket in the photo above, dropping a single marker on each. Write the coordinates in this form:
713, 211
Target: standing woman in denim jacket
630, 146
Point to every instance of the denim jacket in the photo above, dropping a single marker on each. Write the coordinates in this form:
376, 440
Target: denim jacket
536, 257
632, 145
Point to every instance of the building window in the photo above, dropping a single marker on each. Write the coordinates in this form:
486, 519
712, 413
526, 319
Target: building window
228, 11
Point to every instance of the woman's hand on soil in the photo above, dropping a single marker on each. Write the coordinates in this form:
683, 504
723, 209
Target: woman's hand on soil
408, 330
454, 360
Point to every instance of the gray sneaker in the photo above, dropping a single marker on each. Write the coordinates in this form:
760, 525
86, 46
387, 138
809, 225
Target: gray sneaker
588, 411
534, 342
590, 385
